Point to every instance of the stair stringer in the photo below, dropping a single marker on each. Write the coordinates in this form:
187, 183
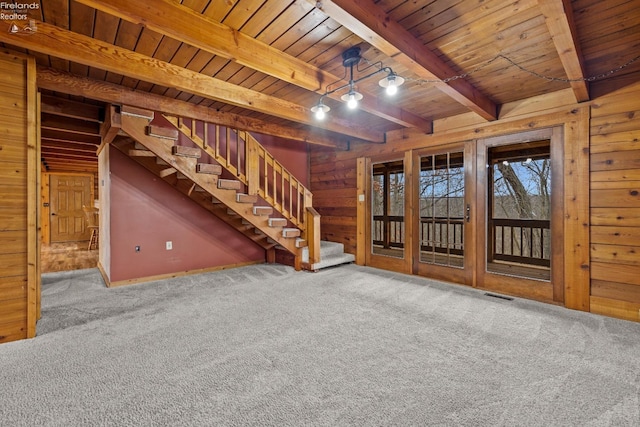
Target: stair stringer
125, 143
136, 127
245, 178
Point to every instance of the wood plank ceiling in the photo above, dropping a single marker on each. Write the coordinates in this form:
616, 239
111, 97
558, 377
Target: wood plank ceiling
262, 64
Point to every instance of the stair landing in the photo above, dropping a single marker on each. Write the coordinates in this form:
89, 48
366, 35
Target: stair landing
331, 254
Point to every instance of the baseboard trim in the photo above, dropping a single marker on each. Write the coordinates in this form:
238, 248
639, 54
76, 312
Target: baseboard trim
174, 275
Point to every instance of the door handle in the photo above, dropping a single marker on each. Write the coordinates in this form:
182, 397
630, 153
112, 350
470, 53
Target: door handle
468, 214
53, 214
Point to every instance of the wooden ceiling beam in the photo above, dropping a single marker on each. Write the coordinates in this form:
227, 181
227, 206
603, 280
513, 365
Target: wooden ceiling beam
52, 122
61, 135
95, 53
184, 24
558, 15
369, 21
68, 145
72, 109
62, 165
60, 154
48, 78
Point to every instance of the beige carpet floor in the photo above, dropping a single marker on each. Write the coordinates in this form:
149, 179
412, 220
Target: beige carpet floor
267, 346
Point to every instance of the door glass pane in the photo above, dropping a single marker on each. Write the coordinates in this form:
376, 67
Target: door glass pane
442, 209
519, 220
387, 210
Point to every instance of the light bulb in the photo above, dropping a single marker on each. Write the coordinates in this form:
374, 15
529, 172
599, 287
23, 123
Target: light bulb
391, 83
320, 110
352, 102
392, 88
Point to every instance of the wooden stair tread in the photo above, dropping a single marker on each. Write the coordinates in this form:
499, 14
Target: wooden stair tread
290, 232
277, 222
162, 132
229, 184
141, 153
209, 168
128, 110
246, 198
262, 210
179, 150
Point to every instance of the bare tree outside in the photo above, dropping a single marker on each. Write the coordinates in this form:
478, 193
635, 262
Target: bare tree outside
522, 189
388, 188
521, 207
442, 209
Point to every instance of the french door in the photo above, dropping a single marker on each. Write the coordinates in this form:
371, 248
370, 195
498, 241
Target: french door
485, 213
443, 238
519, 222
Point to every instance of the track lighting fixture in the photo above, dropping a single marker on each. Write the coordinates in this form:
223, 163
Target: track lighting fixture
350, 58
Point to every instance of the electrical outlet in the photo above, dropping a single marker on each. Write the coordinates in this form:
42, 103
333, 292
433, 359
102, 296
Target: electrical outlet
137, 248
169, 245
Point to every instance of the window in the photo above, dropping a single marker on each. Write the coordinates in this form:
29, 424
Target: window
519, 225
387, 209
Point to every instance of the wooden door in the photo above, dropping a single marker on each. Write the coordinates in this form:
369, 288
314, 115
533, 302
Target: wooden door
443, 231
383, 184
68, 194
519, 193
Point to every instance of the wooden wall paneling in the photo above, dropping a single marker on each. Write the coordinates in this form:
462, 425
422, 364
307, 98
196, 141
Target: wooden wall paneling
619, 217
363, 194
626, 274
616, 254
625, 178
335, 197
557, 215
411, 172
576, 211
33, 197
616, 197
615, 204
37, 192
19, 198
624, 159
615, 291
615, 308
608, 235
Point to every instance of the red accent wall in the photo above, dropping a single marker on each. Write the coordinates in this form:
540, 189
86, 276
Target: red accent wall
148, 212
293, 155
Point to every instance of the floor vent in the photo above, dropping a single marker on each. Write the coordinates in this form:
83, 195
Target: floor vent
498, 296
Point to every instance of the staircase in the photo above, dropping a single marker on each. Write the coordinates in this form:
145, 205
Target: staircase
230, 174
331, 254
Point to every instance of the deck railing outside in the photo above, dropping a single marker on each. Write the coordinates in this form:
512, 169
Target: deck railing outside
525, 241
513, 240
